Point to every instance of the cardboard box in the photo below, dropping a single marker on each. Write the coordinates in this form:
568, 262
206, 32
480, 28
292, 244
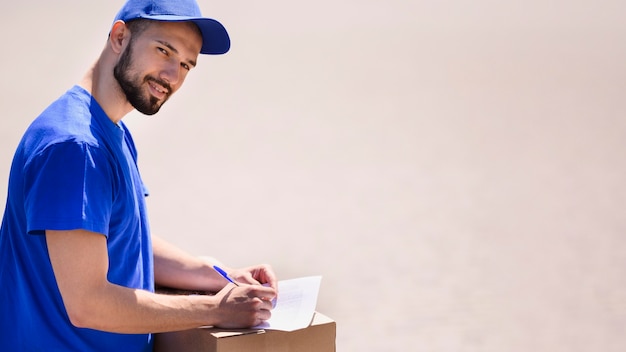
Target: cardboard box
318, 337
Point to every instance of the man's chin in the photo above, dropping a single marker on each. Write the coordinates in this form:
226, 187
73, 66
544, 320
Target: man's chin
149, 109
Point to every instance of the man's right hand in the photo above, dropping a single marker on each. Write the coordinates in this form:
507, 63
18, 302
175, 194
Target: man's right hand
244, 306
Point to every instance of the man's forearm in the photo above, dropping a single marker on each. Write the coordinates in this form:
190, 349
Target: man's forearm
176, 268
130, 311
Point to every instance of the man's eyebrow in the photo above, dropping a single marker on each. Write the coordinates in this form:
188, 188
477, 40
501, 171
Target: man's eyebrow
174, 50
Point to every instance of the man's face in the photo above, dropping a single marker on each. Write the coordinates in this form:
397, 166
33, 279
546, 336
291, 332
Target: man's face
156, 62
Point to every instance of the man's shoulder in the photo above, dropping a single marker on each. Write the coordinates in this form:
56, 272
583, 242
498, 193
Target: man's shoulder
70, 118
69, 109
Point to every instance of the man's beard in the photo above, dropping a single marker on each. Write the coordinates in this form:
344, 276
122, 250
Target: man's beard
132, 85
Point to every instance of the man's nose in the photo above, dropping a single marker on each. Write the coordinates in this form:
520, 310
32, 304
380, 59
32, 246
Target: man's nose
171, 74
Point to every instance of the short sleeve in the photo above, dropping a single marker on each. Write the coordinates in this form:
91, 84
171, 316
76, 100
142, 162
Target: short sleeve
69, 186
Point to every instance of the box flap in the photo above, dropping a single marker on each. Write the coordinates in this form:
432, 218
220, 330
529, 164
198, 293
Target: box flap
220, 333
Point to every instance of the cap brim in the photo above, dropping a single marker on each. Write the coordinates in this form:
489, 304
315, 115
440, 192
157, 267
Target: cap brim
215, 39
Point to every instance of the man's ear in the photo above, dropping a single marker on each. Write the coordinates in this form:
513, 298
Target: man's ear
119, 36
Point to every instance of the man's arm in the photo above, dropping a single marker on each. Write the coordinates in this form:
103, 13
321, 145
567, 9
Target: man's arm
177, 269
80, 262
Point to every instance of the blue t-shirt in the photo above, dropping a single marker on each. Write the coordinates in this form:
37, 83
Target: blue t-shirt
73, 169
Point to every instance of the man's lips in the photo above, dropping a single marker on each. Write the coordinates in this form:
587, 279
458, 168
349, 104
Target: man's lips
158, 90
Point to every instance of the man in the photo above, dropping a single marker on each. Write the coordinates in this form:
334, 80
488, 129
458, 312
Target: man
78, 265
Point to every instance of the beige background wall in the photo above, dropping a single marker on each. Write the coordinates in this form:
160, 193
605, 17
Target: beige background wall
454, 169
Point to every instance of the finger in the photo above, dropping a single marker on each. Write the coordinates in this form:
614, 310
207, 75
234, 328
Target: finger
249, 278
266, 304
266, 275
263, 293
273, 281
264, 314
252, 280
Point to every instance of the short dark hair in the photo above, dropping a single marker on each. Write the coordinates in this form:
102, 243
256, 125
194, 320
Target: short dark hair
138, 26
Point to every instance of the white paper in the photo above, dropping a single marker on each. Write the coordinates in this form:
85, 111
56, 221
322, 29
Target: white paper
295, 306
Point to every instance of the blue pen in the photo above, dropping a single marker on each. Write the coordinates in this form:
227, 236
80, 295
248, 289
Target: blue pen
224, 274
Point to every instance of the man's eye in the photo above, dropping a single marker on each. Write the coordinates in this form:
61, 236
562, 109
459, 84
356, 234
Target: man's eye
163, 51
185, 66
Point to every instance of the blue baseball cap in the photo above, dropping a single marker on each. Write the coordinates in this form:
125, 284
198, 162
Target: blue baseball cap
215, 39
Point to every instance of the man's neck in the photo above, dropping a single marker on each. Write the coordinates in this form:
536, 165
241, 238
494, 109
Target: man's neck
104, 88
